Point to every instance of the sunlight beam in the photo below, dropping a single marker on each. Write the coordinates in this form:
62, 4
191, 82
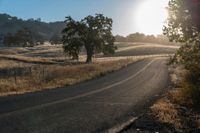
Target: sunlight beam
150, 16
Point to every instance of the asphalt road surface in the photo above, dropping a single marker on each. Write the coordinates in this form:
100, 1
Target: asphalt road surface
92, 106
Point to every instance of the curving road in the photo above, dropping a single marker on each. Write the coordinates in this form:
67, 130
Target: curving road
92, 106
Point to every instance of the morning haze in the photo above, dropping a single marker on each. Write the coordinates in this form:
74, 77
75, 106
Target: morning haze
122, 12
99, 66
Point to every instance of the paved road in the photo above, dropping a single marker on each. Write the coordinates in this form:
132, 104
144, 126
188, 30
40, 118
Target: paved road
88, 107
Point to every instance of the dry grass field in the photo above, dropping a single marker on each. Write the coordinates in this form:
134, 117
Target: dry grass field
137, 49
45, 67
23, 77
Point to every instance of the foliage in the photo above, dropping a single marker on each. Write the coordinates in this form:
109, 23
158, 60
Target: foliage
56, 39
180, 27
93, 33
41, 31
119, 38
139, 37
32, 77
1, 38
21, 38
183, 26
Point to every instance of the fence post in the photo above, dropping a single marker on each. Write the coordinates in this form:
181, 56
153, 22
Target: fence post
43, 74
30, 70
15, 76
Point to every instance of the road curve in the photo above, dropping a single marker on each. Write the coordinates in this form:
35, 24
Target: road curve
87, 107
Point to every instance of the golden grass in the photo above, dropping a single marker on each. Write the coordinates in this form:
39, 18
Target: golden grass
166, 112
175, 107
26, 59
164, 109
181, 94
24, 54
48, 72
35, 49
12, 50
147, 46
52, 76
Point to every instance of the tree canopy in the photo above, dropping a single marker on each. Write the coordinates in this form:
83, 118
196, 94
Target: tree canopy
139, 37
93, 33
184, 26
56, 39
41, 31
21, 38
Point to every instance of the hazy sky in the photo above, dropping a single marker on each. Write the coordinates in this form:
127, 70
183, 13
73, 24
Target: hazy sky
125, 13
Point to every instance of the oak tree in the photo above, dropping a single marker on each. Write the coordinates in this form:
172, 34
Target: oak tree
184, 26
93, 33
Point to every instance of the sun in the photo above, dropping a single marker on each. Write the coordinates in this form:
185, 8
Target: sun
150, 16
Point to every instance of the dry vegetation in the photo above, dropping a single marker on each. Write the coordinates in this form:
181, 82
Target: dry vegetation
174, 111
166, 112
25, 77
45, 67
176, 108
179, 95
147, 45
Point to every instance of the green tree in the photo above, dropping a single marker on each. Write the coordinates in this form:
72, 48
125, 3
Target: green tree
136, 37
56, 39
180, 27
184, 26
8, 40
119, 38
21, 38
24, 38
93, 33
1, 37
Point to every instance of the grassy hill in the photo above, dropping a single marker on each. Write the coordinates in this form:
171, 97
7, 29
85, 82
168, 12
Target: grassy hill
39, 29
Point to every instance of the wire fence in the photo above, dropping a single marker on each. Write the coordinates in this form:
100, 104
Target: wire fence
36, 72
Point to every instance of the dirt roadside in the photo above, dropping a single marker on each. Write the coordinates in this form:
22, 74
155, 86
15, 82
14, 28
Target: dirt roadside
166, 115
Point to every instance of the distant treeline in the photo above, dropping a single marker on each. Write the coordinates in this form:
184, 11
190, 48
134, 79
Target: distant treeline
40, 31
139, 37
18, 32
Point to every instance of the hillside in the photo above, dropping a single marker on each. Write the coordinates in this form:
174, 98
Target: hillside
39, 29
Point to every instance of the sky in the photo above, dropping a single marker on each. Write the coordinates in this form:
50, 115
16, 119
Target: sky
129, 16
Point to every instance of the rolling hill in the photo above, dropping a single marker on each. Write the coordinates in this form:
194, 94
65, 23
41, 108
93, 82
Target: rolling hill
39, 29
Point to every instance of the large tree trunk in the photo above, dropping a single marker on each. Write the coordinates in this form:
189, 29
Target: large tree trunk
89, 58
89, 51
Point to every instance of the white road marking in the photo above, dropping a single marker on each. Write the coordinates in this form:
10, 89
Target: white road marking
122, 126
81, 95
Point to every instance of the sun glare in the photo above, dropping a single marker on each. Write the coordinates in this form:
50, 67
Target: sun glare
150, 16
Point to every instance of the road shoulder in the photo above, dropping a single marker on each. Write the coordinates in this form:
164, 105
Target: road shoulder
166, 115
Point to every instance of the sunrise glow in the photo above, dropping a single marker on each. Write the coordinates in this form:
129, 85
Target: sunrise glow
150, 16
